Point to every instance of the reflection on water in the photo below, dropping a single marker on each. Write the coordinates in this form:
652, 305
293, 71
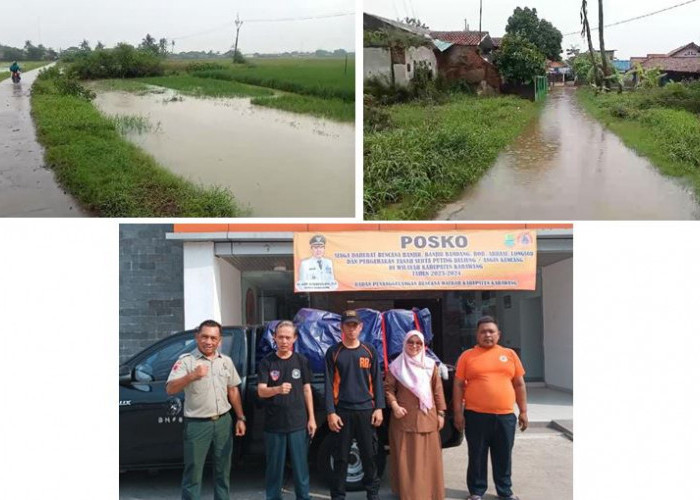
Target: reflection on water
566, 166
276, 163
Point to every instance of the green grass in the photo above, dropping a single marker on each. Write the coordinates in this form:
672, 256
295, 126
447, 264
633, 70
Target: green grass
332, 109
186, 84
132, 123
325, 78
655, 124
24, 67
431, 153
109, 176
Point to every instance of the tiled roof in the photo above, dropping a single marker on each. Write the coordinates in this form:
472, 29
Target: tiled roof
679, 64
496, 40
460, 37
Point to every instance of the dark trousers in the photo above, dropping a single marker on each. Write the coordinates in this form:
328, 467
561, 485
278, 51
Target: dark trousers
199, 435
484, 432
276, 446
357, 424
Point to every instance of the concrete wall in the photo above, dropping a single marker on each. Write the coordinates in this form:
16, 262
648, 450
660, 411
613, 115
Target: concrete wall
150, 286
377, 63
212, 287
421, 55
557, 306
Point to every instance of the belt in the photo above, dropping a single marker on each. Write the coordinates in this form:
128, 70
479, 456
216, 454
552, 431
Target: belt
205, 419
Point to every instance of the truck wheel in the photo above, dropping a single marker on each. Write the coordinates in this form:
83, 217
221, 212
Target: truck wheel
353, 479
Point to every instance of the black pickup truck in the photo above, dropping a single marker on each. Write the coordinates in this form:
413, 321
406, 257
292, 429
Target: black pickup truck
151, 421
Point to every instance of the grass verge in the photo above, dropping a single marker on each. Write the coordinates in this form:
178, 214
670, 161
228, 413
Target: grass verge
332, 109
646, 123
24, 66
109, 176
186, 84
431, 152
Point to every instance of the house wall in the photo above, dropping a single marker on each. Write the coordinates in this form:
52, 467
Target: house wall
377, 63
419, 55
557, 308
461, 62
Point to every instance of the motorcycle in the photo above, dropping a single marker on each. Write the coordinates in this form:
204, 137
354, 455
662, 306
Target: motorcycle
15, 77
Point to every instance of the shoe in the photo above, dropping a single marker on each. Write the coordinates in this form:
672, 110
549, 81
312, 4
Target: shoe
511, 497
474, 497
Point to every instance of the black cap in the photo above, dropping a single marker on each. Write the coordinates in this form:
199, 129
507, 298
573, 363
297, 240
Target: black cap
318, 239
350, 316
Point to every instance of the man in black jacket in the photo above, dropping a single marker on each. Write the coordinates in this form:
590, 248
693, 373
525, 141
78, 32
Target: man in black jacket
354, 403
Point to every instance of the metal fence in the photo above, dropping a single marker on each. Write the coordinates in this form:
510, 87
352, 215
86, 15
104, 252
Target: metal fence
540, 87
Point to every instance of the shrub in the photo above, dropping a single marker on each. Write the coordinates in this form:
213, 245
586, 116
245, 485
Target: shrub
123, 61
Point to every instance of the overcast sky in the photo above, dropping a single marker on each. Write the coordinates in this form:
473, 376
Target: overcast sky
194, 24
660, 33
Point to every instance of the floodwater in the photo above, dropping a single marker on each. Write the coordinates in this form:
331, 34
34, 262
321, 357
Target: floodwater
277, 164
566, 166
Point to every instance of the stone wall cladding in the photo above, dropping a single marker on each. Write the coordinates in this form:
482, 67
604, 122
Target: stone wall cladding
151, 297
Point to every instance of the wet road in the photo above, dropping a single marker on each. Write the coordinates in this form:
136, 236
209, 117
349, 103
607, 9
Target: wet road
276, 163
27, 187
566, 166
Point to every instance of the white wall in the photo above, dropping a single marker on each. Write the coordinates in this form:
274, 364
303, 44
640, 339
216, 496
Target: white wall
212, 287
557, 306
377, 63
421, 54
231, 296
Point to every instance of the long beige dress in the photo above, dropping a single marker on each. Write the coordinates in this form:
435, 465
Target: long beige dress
414, 441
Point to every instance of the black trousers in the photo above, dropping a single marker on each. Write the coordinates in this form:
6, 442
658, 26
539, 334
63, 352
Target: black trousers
357, 424
484, 432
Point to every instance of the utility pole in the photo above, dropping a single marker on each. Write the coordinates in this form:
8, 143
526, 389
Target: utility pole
480, 18
172, 44
239, 23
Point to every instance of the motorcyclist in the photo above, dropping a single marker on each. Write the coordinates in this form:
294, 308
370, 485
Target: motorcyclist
15, 68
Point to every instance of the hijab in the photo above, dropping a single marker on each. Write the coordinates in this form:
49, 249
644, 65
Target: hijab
415, 372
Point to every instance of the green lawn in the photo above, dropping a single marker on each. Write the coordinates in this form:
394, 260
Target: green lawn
431, 153
661, 124
23, 65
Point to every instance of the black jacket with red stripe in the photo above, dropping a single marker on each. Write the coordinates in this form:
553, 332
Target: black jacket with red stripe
353, 378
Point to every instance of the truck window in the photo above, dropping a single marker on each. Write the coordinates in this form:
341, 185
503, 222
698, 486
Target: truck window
157, 366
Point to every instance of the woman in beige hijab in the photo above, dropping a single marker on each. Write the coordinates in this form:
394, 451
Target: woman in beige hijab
414, 394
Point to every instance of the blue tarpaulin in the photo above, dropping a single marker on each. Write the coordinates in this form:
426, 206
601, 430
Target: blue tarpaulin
318, 330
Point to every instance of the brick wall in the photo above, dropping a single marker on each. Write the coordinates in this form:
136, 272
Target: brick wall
150, 286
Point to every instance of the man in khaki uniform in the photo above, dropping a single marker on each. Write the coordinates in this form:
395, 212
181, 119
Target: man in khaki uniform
210, 382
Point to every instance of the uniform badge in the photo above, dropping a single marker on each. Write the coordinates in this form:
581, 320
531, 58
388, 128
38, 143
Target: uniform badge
177, 365
503, 358
296, 373
275, 375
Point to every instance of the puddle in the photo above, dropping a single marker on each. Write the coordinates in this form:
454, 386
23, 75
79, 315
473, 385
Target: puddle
276, 163
566, 166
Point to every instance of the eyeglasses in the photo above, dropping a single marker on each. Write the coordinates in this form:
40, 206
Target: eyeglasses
414, 343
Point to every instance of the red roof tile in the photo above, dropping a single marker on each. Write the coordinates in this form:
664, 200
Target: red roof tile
679, 64
459, 37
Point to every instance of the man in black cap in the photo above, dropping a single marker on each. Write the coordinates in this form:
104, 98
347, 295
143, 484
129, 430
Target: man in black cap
354, 403
316, 272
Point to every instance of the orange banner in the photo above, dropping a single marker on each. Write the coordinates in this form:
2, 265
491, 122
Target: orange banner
409, 260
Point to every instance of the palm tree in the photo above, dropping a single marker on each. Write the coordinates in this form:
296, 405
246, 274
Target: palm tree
586, 30
603, 57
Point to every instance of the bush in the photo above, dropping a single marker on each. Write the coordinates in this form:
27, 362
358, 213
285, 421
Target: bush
54, 81
519, 61
123, 61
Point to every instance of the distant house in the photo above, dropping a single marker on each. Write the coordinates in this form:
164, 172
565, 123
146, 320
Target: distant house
557, 71
679, 64
466, 56
397, 65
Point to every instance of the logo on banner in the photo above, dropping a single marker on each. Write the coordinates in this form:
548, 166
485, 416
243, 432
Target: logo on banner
509, 240
525, 239
296, 373
275, 375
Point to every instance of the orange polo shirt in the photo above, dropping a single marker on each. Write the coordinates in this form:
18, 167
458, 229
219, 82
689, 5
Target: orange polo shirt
488, 376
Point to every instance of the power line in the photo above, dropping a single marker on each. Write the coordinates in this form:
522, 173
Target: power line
228, 24
635, 18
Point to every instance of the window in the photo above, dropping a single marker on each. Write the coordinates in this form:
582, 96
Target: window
157, 366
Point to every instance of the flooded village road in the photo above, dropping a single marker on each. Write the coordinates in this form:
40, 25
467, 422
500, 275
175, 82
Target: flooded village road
27, 187
567, 166
277, 164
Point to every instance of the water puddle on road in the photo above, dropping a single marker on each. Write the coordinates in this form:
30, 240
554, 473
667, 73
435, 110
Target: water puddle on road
566, 166
277, 164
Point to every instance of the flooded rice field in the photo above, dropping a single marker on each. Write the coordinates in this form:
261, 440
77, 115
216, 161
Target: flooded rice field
277, 164
566, 166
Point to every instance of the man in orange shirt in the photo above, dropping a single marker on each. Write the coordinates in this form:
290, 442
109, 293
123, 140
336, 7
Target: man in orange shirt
488, 382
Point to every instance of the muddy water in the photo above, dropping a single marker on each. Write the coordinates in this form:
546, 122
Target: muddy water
566, 166
277, 164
